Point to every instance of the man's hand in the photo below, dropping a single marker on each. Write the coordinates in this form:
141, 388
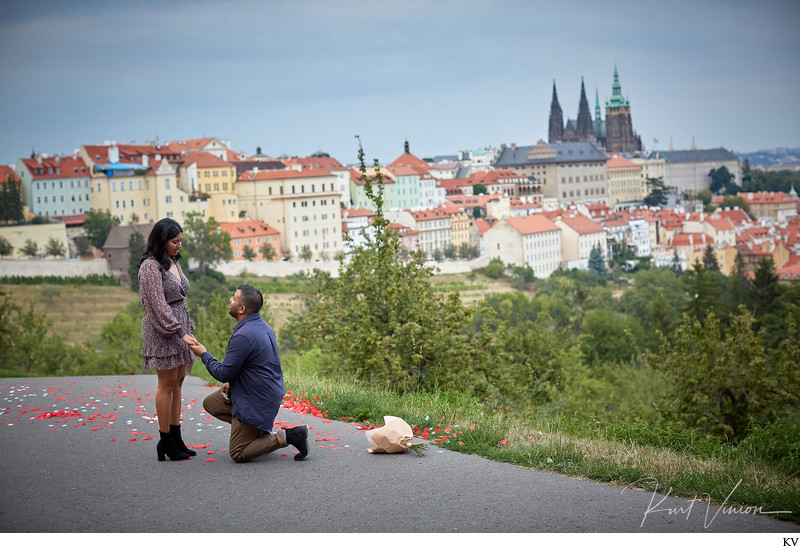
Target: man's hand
197, 348
225, 392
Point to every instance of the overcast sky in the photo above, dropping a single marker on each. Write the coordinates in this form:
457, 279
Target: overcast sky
299, 76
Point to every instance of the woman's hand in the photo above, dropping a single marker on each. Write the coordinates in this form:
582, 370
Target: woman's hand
190, 340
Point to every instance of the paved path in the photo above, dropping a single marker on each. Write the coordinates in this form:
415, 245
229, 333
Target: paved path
97, 471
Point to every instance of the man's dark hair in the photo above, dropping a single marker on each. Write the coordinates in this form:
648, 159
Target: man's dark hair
251, 298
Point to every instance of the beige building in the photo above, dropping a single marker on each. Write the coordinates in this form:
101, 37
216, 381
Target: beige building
527, 241
624, 180
579, 236
433, 229
303, 205
687, 171
567, 172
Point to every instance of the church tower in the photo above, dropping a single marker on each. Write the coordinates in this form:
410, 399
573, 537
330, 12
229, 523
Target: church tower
556, 131
585, 129
619, 128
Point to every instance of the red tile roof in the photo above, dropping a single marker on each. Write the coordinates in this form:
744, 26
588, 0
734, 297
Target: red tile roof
247, 228
205, 160
408, 160
690, 239
582, 224
534, 223
52, 167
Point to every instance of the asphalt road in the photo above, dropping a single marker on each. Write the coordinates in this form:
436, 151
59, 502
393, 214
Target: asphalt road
95, 470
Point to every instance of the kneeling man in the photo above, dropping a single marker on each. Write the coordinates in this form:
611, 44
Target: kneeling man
252, 379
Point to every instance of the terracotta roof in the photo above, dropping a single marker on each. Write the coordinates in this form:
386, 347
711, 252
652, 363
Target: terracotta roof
247, 227
408, 160
619, 162
689, 239
483, 225
767, 197
205, 160
52, 167
719, 223
534, 223
429, 214
356, 212
582, 224
6, 173
329, 163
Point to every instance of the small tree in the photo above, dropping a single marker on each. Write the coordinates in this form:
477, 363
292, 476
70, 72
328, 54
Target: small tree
249, 253
495, 269
83, 245
305, 253
438, 255
478, 189
596, 262
450, 251
6, 248
54, 247
266, 250
30, 248
465, 251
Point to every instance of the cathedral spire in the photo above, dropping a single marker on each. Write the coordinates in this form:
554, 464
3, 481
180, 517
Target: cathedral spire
585, 128
556, 130
597, 116
617, 99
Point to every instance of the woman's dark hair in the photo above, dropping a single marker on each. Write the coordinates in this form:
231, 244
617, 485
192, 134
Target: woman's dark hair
164, 230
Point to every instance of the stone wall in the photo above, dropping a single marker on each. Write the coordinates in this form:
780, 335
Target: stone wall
57, 267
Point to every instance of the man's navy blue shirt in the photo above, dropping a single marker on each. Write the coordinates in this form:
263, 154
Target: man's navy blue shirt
253, 369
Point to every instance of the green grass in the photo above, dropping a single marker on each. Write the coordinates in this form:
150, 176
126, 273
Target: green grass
629, 453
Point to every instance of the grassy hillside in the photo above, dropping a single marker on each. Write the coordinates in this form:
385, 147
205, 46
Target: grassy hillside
77, 312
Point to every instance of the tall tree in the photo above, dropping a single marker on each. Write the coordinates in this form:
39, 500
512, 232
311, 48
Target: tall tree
710, 259
98, 225
136, 248
205, 242
721, 179
409, 336
306, 253
11, 206
249, 253
596, 262
657, 194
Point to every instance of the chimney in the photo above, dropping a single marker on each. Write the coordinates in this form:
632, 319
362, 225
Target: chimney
145, 159
255, 170
113, 153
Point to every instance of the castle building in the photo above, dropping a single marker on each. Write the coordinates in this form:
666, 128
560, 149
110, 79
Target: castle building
615, 133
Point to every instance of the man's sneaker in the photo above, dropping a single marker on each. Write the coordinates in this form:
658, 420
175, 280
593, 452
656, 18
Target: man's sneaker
298, 437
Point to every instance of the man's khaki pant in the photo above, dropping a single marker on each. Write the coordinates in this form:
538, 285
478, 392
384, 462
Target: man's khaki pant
247, 442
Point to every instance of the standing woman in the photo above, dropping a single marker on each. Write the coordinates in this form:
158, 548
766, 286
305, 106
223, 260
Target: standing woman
167, 331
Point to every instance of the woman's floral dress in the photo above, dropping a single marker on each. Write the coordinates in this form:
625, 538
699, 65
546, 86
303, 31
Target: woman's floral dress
166, 318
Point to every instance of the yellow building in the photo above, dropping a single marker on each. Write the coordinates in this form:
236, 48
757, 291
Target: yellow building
138, 183
624, 180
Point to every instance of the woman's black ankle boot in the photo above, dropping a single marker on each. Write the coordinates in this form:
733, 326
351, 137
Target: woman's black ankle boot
166, 446
175, 431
